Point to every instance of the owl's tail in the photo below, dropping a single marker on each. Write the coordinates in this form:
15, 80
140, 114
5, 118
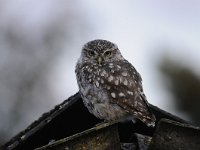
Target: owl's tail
149, 119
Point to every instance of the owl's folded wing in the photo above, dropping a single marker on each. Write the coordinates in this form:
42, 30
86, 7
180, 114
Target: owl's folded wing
126, 91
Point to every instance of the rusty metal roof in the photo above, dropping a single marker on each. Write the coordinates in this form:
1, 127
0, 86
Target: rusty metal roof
70, 126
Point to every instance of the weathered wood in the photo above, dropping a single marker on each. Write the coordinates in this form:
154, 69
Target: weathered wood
101, 137
72, 117
171, 135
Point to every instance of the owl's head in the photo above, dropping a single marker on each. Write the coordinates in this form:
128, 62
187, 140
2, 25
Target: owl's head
100, 52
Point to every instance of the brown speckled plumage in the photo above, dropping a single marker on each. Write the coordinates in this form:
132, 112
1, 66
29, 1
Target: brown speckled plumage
110, 86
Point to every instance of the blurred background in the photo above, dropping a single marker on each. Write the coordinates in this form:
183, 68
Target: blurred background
40, 42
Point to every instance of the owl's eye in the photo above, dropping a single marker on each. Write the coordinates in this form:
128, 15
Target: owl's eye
108, 53
91, 53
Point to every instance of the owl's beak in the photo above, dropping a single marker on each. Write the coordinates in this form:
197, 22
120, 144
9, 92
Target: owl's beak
99, 60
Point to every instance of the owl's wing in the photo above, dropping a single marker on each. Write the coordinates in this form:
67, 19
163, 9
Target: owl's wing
127, 92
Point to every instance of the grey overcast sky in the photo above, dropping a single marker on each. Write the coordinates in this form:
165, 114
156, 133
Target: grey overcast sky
145, 31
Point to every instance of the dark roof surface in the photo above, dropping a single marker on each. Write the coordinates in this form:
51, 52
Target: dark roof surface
70, 124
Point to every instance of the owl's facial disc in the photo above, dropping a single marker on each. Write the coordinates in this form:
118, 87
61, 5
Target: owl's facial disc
102, 57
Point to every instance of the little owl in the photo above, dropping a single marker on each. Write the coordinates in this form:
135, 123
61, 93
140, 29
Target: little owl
109, 85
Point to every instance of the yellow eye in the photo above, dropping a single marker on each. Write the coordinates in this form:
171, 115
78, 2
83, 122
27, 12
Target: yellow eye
108, 53
91, 53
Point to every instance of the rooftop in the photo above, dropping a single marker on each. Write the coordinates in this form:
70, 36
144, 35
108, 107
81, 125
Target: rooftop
70, 126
